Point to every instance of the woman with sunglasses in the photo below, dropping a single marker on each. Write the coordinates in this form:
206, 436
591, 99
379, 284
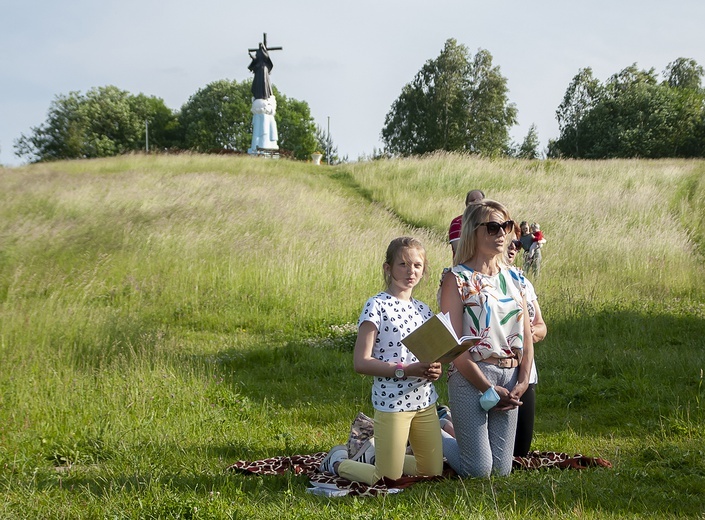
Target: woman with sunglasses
527, 411
485, 297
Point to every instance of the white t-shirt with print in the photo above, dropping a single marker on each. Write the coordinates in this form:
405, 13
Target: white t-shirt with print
394, 320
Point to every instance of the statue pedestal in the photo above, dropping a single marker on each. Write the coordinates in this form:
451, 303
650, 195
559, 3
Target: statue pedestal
316, 157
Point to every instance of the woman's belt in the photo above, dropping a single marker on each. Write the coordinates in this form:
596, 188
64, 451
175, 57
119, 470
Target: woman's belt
505, 362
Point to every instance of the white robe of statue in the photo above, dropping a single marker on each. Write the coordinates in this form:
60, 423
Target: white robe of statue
264, 128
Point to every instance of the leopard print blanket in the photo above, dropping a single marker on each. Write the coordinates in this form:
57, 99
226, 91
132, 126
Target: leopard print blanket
553, 459
308, 465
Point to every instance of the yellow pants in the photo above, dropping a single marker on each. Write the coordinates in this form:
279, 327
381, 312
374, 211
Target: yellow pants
392, 430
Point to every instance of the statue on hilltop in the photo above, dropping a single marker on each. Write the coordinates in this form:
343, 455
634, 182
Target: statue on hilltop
264, 105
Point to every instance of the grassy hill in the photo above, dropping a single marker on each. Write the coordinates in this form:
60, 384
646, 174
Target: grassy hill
163, 317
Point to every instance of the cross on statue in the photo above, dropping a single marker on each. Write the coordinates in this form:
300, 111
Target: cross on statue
264, 42
261, 65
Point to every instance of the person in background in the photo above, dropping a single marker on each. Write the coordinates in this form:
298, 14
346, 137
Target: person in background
538, 239
457, 223
403, 395
525, 239
531, 240
485, 297
527, 411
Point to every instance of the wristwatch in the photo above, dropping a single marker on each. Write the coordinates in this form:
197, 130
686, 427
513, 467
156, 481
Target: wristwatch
399, 371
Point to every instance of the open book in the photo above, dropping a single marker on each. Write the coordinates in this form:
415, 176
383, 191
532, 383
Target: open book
436, 340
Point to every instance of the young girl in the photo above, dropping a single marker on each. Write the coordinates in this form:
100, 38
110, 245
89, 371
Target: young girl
403, 395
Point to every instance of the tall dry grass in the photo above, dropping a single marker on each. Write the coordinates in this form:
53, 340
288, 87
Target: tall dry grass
611, 226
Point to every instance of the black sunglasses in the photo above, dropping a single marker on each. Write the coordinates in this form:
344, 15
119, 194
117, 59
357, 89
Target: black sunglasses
516, 244
493, 227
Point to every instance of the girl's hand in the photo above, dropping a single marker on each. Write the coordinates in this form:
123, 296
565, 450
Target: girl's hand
434, 371
430, 371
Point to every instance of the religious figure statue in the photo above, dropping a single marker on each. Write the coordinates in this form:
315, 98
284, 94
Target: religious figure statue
261, 65
264, 104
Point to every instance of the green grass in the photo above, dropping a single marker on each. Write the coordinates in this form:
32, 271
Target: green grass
163, 317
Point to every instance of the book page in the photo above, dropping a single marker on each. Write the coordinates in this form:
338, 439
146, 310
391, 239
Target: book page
445, 318
436, 340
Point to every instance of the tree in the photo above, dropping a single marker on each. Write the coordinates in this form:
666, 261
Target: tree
633, 115
326, 146
453, 104
684, 76
218, 116
111, 126
634, 120
105, 121
297, 130
529, 148
684, 73
161, 122
580, 98
491, 115
60, 137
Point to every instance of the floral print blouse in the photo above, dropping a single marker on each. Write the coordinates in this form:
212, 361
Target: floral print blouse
493, 309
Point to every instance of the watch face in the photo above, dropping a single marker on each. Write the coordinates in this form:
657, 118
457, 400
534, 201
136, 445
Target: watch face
399, 372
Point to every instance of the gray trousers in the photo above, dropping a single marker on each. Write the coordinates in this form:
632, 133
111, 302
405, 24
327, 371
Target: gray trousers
484, 442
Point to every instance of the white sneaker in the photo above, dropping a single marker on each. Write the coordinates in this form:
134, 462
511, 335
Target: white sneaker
336, 454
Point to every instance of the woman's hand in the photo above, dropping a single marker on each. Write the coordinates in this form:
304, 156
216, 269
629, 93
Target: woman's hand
519, 390
430, 371
507, 400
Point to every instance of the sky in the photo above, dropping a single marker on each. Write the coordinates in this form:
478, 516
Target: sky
349, 62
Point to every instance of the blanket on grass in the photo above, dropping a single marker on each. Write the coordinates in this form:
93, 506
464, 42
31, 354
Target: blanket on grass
333, 485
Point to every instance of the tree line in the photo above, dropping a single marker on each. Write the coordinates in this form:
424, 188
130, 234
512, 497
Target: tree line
633, 114
457, 102
108, 121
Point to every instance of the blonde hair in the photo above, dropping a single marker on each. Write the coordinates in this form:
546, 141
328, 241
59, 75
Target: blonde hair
475, 214
397, 247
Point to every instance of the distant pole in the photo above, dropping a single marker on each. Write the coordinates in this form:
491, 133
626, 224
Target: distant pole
146, 135
328, 143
